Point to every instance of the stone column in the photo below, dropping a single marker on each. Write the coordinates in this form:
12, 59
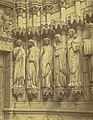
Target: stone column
41, 16
48, 9
21, 13
78, 7
35, 17
63, 11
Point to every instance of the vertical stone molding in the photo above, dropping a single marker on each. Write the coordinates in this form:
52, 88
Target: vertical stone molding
34, 9
48, 9
21, 14
41, 15
63, 10
78, 8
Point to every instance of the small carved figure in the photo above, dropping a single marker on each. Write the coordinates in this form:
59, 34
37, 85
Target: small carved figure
19, 64
32, 64
59, 62
8, 20
73, 59
46, 63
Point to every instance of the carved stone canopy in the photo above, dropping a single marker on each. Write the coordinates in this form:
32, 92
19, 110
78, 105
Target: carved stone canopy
63, 3
48, 8
20, 11
34, 10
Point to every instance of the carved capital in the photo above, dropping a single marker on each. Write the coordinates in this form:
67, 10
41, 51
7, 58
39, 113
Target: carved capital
63, 3
48, 9
34, 10
20, 11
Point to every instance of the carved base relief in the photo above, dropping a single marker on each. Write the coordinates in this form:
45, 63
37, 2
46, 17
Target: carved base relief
61, 94
50, 117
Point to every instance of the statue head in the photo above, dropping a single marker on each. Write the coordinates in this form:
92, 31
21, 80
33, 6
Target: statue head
71, 32
51, 26
19, 43
46, 26
58, 38
31, 43
46, 41
41, 26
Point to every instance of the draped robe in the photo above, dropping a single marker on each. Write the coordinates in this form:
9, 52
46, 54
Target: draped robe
46, 65
33, 67
60, 65
73, 60
19, 64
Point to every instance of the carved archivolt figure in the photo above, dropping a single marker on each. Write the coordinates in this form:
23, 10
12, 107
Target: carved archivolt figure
19, 64
46, 63
73, 59
59, 62
32, 64
8, 19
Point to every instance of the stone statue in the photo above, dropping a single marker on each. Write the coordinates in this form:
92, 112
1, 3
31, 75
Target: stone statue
59, 62
32, 64
19, 64
73, 59
46, 63
91, 50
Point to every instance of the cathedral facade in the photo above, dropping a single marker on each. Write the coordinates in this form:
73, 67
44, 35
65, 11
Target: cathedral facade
46, 60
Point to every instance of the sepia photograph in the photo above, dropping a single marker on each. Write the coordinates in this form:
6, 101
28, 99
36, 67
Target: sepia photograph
46, 60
